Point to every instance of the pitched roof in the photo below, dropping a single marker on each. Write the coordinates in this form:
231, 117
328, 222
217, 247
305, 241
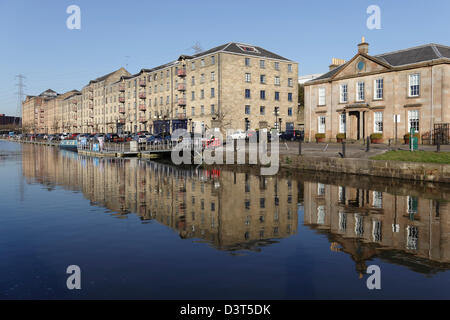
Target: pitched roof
235, 47
399, 58
106, 76
48, 92
423, 53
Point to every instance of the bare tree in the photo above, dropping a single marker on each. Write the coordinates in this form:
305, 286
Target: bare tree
222, 119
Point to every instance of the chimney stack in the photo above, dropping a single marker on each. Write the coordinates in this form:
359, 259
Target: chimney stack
363, 47
336, 63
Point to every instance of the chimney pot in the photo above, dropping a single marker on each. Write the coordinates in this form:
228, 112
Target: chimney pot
363, 47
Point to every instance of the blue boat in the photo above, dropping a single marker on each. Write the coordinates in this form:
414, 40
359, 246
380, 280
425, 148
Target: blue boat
71, 145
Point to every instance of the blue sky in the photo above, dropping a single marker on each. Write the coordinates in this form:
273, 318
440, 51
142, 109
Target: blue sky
142, 34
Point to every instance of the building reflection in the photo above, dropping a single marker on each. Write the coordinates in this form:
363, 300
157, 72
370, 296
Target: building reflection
235, 211
230, 210
367, 224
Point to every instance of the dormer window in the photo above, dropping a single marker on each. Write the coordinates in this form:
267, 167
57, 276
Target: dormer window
248, 49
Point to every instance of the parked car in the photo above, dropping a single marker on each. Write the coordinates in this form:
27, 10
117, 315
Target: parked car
113, 137
238, 135
64, 136
291, 135
159, 138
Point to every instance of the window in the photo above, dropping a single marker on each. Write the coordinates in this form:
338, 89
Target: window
320, 189
247, 109
359, 225
277, 96
290, 112
247, 62
193, 66
414, 85
262, 110
213, 111
378, 89
193, 111
412, 237
413, 120
377, 201
322, 100
202, 62
342, 221
192, 95
202, 78
262, 64
248, 77
262, 78
277, 65
290, 82
343, 93
289, 67
321, 215
321, 125
342, 123
202, 110
247, 48
202, 94
213, 76
262, 94
213, 93
277, 81
213, 60
376, 231
290, 97
193, 80
360, 91
247, 93
378, 122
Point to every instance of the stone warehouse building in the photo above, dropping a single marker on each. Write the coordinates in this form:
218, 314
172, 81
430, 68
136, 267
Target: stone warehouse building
366, 94
232, 86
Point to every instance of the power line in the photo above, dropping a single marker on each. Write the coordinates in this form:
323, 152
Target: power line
20, 93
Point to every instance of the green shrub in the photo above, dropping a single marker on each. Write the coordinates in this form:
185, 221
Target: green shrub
407, 136
320, 135
376, 136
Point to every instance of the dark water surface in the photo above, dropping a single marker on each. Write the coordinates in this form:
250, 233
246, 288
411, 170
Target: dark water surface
148, 230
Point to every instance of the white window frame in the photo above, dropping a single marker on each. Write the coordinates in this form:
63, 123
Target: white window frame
377, 200
414, 115
342, 123
248, 77
343, 92
414, 81
277, 81
360, 91
378, 122
321, 124
322, 96
378, 89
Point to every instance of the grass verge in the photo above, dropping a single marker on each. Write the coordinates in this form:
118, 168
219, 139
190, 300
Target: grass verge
416, 156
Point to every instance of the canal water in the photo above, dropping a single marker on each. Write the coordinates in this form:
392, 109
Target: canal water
147, 230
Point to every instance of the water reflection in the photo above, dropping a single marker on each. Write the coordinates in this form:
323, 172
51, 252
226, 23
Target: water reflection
402, 229
230, 210
400, 223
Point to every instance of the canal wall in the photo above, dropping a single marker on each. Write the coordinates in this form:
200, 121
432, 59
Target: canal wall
428, 172
431, 172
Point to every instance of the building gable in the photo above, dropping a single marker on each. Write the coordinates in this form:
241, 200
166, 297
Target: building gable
361, 64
